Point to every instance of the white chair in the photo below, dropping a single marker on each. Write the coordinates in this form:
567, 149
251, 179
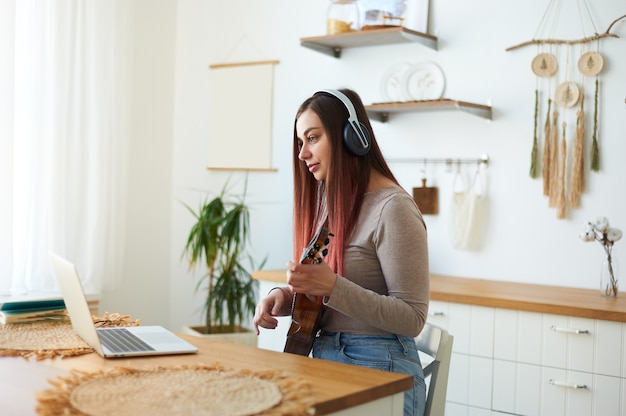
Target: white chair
436, 343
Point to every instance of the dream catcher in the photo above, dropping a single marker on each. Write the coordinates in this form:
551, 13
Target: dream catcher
567, 72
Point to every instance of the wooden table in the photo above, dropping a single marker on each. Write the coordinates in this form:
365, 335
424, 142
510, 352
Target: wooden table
338, 389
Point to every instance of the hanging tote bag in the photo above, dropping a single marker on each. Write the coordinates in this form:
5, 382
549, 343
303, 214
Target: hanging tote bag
468, 212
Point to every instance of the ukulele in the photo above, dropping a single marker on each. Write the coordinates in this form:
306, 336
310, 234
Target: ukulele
306, 311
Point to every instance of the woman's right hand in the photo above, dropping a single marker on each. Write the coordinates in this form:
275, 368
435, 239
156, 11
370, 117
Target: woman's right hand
268, 308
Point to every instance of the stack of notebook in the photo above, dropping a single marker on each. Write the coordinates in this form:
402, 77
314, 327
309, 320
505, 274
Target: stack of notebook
32, 311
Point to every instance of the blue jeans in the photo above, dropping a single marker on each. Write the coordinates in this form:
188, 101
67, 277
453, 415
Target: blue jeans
383, 352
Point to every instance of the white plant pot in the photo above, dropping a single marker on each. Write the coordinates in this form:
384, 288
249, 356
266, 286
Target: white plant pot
247, 337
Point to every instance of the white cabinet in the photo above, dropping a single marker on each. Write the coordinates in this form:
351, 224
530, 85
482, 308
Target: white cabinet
471, 365
529, 363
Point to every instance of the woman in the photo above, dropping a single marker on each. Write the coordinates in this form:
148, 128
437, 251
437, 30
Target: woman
374, 282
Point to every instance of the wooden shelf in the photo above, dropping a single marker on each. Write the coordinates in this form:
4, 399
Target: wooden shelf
381, 111
333, 44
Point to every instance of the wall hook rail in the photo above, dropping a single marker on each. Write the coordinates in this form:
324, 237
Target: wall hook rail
483, 160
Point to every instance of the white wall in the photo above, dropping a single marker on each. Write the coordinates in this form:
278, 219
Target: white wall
143, 293
525, 241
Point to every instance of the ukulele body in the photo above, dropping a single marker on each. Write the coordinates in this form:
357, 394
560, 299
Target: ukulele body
306, 311
305, 321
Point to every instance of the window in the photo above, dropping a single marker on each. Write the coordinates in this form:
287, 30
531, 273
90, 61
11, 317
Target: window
63, 135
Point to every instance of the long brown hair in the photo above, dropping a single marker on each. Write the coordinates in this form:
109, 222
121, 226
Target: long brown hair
338, 199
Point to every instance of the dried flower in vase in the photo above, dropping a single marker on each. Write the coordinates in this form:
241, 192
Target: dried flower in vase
601, 231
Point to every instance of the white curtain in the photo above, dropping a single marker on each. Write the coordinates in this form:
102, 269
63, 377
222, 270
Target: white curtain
63, 132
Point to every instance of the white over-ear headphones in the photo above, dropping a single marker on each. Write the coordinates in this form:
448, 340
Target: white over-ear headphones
356, 137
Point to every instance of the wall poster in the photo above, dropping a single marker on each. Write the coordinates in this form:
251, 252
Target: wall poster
241, 116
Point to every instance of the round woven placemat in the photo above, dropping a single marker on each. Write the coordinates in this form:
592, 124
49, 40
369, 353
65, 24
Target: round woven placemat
52, 338
45, 339
197, 390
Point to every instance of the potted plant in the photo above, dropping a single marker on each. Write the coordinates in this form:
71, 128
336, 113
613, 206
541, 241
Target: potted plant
217, 241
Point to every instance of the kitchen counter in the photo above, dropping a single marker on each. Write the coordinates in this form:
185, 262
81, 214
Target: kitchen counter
560, 300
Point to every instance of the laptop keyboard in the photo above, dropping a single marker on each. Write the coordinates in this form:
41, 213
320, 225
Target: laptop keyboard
120, 340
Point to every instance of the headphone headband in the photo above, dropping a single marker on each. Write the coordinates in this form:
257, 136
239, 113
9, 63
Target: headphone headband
362, 144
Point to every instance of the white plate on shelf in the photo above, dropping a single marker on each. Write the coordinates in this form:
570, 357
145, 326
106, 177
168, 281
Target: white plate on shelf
423, 81
391, 84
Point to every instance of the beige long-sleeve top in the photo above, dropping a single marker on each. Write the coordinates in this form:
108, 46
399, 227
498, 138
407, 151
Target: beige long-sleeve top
385, 286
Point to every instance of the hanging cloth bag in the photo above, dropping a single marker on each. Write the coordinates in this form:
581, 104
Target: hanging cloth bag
468, 213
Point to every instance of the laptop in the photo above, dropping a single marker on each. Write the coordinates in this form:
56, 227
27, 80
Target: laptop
117, 341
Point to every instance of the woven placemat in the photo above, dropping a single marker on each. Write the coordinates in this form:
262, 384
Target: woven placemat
184, 390
51, 339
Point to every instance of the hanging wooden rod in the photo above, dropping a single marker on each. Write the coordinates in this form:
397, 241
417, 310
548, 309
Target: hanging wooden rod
482, 160
597, 36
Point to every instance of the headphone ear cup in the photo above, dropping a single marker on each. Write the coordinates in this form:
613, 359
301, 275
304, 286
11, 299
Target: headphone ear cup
353, 142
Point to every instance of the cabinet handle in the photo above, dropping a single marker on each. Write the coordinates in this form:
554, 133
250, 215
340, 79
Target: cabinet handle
569, 330
436, 313
567, 385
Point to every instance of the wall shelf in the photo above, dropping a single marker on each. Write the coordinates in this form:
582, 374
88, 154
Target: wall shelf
333, 44
381, 111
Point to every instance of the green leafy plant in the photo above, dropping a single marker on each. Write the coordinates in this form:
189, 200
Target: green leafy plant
218, 240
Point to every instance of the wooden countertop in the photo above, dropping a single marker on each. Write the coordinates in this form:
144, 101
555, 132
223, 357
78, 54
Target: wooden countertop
559, 300
334, 386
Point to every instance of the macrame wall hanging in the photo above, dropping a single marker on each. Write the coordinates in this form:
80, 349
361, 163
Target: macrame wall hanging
567, 72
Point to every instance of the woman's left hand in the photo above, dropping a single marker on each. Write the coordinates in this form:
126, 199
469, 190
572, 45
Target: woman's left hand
316, 279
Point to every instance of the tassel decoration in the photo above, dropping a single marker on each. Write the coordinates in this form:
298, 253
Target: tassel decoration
595, 152
533, 153
578, 170
554, 143
545, 168
560, 212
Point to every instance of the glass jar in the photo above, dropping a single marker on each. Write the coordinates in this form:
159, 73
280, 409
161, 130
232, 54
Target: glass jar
609, 277
342, 16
